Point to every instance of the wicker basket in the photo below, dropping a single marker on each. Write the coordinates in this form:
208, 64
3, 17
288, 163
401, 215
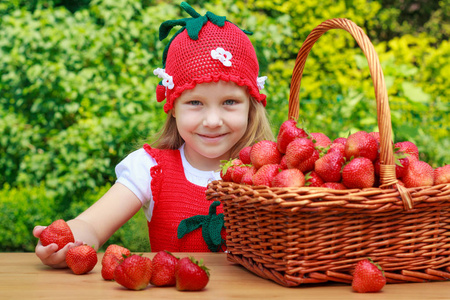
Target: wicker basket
294, 236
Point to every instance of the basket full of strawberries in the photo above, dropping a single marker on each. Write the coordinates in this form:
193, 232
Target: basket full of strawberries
307, 209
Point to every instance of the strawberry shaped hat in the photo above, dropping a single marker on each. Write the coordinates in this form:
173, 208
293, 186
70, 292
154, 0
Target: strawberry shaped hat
207, 48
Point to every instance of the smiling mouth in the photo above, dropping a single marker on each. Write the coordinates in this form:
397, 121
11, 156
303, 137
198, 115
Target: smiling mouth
212, 137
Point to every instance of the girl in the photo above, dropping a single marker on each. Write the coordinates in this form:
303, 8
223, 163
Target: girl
214, 109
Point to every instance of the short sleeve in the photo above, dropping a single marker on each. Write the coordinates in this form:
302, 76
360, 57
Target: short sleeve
134, 173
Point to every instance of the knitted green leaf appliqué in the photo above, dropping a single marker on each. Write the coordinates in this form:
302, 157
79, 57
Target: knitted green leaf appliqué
211, 224
192, 25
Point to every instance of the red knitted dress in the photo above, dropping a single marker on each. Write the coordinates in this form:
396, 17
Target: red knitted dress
175, 199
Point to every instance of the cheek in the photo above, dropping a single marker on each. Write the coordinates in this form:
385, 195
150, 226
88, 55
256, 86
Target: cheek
239, 123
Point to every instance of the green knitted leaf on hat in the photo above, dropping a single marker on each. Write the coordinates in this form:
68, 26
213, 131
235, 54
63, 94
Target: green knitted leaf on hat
211, 224
192, 25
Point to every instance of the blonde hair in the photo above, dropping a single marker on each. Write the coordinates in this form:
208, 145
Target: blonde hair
258, 129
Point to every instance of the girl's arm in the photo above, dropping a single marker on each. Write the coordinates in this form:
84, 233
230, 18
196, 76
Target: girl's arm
95, 225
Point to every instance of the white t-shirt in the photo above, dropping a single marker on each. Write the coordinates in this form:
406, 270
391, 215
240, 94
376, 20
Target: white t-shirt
134, 173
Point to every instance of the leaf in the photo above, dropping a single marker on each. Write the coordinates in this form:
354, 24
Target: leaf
415, 93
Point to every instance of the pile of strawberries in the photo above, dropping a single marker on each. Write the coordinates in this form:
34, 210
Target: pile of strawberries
299, 159
132, 271
136, 272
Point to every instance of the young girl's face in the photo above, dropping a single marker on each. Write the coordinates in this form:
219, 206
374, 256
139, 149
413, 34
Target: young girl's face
211, 118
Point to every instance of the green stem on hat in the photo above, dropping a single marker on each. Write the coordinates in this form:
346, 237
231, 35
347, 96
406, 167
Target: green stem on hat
192, 25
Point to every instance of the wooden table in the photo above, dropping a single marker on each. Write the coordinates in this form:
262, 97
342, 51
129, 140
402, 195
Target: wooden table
22, 276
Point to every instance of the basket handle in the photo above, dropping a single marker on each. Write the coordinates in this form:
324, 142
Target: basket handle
387, 166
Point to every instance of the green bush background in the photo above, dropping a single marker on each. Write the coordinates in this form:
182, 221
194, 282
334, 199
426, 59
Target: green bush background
77, 92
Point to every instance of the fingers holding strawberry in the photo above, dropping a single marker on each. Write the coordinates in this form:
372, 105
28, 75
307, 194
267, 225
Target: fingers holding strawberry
51, 256
54, 242
58, 232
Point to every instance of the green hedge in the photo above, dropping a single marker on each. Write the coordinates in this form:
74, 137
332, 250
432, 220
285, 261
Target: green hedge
22, 209
77, 92
25, 207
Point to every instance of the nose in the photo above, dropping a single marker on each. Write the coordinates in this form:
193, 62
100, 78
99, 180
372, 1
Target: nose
212, 118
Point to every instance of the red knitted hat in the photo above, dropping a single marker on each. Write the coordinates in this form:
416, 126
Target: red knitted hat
208, 48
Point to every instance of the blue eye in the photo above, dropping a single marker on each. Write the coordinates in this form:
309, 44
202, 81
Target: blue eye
195, 102
229, 102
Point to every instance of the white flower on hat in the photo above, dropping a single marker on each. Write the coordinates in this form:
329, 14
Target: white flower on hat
167, 80
260, 81
222, 55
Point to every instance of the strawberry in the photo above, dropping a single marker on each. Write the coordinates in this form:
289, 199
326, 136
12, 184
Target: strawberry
401, 166
283, 163
265, 174
134, 272
329, 166
376, 135
337, 147
408, 148
442, 174
340, 140
264, 153
247, 177
109, 265
368, 277
227, 168
191, 275
321, 141
419, 173
376, 166
112, 257
58, 232
163, 273
289, 177
308, 165
313, 180
244, 155
334, 185
361, 144
358, 173
238, 172
81, 259
287, 133
298, 151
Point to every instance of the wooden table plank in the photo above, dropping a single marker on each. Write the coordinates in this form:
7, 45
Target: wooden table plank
22, 276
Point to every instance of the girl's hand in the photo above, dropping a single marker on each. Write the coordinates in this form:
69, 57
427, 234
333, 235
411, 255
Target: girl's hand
49, 255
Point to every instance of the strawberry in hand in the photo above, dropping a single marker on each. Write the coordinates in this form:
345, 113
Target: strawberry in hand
191, 275
59, 233
368, 277
81, 259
